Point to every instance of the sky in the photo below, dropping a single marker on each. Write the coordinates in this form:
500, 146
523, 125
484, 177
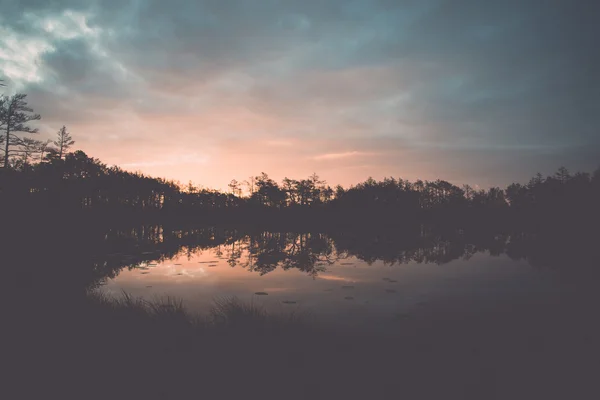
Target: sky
471, 91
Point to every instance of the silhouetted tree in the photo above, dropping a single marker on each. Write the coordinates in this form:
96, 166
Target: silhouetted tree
14, 118
63, 141
289, 186
250, 185
268, 192
234, 186
316, 186
339, 191
304, 191
190, 188
44, 148
29, 148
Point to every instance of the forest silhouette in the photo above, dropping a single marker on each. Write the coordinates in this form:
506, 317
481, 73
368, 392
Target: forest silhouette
70, 223
42, 178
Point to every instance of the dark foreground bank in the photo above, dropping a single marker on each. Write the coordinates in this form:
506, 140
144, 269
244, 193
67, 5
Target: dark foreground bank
130, 349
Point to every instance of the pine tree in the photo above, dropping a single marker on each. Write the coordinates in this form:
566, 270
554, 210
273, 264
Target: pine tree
14, 117
63, 141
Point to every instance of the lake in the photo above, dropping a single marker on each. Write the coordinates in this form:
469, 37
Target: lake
345, 278
421, 310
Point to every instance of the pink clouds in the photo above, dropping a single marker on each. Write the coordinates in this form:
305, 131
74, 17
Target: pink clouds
210, 91
337, 156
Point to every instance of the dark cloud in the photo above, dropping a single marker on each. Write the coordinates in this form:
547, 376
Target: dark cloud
73, 64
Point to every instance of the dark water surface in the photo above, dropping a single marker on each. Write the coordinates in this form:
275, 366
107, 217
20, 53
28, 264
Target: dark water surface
347, 279
453, 314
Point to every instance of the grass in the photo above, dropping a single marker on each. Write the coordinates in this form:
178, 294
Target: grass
163, 308
127, 347
225, 314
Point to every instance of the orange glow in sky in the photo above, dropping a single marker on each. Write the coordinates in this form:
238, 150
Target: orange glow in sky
345, 89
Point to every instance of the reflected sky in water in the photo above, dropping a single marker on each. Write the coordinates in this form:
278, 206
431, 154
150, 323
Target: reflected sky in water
320, 278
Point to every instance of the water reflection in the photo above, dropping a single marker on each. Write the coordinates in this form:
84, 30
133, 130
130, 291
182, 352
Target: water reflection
63, 261
388, 271
356, 271
312, 253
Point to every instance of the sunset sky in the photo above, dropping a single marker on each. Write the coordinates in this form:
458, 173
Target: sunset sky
471, 91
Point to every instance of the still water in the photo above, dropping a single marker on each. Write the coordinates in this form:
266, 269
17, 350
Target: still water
340, 278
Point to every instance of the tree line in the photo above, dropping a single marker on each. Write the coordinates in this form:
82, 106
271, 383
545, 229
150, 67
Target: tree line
46, 176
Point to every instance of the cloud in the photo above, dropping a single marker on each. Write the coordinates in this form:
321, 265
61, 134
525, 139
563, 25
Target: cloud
489, 91
337, 156
192, 158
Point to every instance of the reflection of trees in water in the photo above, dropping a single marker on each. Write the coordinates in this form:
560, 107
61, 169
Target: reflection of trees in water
265, 251
85, 257
400, 249
261, 252
62, 263
564, 251
144, 244
312, 253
